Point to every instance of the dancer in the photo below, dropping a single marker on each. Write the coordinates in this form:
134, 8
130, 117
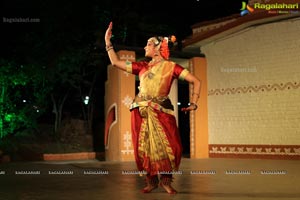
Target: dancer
155, 136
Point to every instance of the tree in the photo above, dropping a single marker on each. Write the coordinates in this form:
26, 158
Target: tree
22, 98
67, 77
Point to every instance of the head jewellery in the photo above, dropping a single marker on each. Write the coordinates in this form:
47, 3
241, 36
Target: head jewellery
161, 44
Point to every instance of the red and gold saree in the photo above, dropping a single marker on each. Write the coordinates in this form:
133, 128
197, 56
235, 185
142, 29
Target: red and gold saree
155, 136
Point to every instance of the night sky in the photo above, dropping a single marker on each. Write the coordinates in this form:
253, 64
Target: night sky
140, 18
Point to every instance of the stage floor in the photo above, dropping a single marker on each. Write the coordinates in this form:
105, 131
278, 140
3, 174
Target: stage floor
197, 179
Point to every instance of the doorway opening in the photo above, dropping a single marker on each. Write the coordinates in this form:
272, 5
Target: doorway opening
184, 118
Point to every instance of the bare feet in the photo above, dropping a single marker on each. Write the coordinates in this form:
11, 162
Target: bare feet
149, 188
169, 189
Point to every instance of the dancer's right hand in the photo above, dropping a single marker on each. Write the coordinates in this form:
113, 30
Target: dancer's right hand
108, 34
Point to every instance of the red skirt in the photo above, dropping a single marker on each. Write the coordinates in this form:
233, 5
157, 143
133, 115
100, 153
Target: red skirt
156, 141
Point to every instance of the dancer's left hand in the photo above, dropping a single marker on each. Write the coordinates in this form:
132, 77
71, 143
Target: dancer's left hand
190, 108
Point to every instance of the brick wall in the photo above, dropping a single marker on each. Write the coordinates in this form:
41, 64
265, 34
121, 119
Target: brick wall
254, 90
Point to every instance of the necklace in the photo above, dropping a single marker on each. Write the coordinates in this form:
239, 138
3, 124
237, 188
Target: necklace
151, 74
153, 62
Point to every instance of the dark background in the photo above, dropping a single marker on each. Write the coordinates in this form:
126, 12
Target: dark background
141, 19
67, 27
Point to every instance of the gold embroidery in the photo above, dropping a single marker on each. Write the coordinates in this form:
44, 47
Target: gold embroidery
154, 80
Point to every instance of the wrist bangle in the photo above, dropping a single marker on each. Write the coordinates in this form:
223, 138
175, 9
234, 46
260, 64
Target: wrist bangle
194, 105
196, 94
109, 47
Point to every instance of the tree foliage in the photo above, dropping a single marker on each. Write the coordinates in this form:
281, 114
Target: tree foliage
23, 96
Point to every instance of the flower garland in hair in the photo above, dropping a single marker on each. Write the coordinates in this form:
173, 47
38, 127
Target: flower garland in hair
164, 48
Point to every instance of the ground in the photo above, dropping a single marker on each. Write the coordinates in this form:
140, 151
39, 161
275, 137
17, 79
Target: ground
31, 145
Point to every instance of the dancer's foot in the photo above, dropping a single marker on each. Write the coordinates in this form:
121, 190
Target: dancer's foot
169, 189
149, 188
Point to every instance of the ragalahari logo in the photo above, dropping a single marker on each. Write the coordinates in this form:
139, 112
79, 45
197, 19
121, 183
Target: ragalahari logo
271, 8
246, 9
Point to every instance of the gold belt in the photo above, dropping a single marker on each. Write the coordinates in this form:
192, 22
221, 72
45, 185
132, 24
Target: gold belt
154, 105
147, 97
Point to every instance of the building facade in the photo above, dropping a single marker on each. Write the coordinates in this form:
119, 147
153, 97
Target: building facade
253, 84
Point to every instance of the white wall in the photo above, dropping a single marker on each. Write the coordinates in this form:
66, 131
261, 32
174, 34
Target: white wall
254, 85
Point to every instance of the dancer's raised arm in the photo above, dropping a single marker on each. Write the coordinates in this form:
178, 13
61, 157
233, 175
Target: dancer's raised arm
114, 59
